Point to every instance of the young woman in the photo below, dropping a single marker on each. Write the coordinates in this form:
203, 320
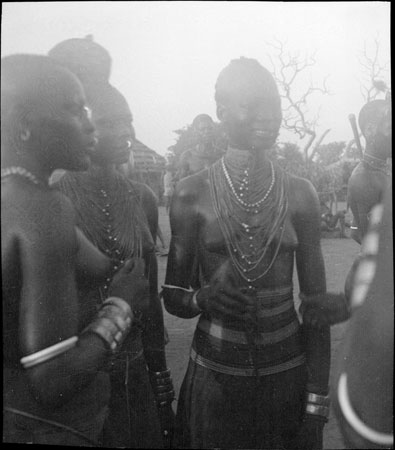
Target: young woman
120, 217
256, 377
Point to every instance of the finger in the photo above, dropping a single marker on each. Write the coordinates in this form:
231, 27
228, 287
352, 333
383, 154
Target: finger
238, 296
228, 303
129, 265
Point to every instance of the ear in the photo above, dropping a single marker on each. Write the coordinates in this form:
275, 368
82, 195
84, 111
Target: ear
221, 111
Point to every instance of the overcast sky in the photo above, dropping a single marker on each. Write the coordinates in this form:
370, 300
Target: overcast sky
167, 55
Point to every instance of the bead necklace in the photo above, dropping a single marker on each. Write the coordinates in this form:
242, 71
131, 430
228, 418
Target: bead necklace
112, 218
21, 172
244, 186
248, 236
377, 164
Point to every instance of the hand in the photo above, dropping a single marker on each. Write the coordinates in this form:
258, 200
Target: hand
321, 310
167, 418
309, 436
222, 297
130, 284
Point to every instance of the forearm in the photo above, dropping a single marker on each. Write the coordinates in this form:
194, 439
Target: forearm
181, 302
318, 352
55, 382
59, 371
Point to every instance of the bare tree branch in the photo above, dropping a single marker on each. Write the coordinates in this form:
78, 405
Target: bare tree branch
287, 68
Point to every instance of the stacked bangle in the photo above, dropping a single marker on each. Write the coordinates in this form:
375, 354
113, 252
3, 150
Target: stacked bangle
113, 322
162, 385
317, 405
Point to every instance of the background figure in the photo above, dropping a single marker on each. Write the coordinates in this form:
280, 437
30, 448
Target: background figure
204, 153
256, 377
363, 387
55, 347
168, 186
371, 176
120, 217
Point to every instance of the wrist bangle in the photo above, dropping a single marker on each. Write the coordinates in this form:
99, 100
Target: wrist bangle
112, 323
120, 303
321, 400
162, 374
193, 304
317, 410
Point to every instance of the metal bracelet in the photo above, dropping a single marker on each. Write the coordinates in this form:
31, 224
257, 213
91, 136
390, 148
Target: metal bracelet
317, 410
163, 374
317, 399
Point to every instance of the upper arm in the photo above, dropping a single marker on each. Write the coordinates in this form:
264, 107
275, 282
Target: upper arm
309, 259
49, 306
184, 235
149, 204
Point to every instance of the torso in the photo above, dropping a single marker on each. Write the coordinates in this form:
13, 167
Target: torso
276, 342
211, 239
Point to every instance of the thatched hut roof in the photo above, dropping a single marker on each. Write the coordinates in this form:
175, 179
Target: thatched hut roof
145, 159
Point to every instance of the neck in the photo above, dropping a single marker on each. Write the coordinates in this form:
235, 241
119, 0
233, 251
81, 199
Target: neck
33, 166
104, 171
247, 159
373, 153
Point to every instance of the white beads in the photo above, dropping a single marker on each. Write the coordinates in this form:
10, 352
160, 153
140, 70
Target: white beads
22, 172
239, 197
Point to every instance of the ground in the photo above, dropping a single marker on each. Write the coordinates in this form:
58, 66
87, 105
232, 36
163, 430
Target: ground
338, 254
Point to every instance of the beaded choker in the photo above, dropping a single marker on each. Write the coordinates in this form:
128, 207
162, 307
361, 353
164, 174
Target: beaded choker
21, 172
377, 163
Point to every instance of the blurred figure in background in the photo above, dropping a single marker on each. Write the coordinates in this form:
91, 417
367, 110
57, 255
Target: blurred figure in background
371, 176
168, 186
120, 217
204, 153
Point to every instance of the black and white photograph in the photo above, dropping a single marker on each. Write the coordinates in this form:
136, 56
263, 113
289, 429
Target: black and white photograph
196, 224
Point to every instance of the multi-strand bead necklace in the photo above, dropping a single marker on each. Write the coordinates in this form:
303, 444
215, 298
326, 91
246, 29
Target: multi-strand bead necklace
110, 216
251, 212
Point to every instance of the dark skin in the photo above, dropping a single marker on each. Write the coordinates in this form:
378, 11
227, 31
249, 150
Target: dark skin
252, 122
115, 131
366, 187
191, 161
368, 347
41, 248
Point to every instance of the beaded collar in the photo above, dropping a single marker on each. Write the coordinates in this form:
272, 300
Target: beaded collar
376, 163
21, 172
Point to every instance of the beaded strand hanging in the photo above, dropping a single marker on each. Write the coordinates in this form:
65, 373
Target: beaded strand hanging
251, 212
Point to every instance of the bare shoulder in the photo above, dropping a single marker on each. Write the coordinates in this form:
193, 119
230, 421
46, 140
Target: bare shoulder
302, 195
42, 212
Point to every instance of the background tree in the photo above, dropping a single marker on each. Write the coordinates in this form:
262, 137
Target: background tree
373, 72
288, 70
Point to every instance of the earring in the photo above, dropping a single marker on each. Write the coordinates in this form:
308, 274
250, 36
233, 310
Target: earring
129, 143
25, 135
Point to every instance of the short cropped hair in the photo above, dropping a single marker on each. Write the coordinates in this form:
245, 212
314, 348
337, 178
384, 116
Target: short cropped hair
84, 57
25, 78
240, 72
202, 118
